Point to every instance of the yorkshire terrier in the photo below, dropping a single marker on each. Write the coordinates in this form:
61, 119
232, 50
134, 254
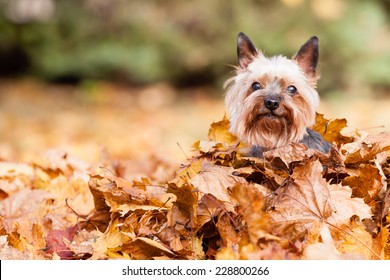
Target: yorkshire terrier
272, 102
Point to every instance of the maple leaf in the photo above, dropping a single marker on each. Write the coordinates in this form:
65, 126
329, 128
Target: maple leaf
145, 249
216, 180
219, 132
386, 206
331, 129
365, 149
302, 203
111, 192
346, 206
23, 215
209, 207
367, 183
294, 152
309, 200
252, 205
109, 241
171, 237
8, 252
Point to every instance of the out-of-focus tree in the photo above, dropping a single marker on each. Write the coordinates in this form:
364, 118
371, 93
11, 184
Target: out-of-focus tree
191, 42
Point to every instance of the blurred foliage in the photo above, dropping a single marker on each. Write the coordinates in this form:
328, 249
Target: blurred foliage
191, 42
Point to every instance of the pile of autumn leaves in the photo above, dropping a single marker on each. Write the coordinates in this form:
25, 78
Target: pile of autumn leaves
294, 203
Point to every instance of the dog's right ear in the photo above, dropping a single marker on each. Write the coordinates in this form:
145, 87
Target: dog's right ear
246, 51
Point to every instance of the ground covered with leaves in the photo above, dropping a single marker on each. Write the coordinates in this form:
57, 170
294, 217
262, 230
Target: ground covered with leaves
295, 203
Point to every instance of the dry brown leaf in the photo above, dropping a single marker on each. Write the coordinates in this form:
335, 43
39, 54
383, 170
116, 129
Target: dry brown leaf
302, 203
24, 203
227, 231
110, 193
310, 200
331, 129
251, 207
209, 207
8, 252
386, 205
216, 180
184, 208
291, 153
367, 183
171, 237
82, 242
145, 249
365, 149
56, 162
346, 206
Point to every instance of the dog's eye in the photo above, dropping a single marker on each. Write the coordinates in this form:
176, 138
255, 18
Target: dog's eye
291, 89
256, 86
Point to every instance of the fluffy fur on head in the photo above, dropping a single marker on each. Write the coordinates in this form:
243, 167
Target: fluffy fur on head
272, 101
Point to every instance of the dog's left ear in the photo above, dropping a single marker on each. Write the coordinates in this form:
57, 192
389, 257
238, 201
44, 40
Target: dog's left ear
307, 57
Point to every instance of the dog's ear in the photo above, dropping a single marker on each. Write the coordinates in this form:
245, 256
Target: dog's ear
246, 51
307, 57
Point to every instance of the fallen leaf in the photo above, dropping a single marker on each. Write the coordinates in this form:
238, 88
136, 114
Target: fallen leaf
145, 249
331, 129
365, 149
251, 207
291, 153
219, 132
58, 242
309, 200
367, 183
216, 180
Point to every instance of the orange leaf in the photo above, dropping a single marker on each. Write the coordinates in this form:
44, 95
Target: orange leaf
331, 129
219, 132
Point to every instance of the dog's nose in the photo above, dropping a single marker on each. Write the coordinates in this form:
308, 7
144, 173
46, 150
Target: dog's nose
271, 104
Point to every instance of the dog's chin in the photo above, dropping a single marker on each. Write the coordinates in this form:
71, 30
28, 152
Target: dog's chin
268, 130
271, 121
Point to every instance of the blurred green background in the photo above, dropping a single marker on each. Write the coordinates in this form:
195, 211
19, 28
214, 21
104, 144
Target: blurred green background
191, 43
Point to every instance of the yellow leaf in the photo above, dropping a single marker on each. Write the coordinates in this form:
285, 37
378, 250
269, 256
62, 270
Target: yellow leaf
219, 132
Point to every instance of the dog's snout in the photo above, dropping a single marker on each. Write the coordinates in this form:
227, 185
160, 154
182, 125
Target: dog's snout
271, 104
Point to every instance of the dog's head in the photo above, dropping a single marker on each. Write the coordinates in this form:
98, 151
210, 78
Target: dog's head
271, 101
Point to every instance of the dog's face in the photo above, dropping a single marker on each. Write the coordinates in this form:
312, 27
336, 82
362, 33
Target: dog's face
271, 101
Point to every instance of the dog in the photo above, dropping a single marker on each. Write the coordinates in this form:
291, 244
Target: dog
271, 102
